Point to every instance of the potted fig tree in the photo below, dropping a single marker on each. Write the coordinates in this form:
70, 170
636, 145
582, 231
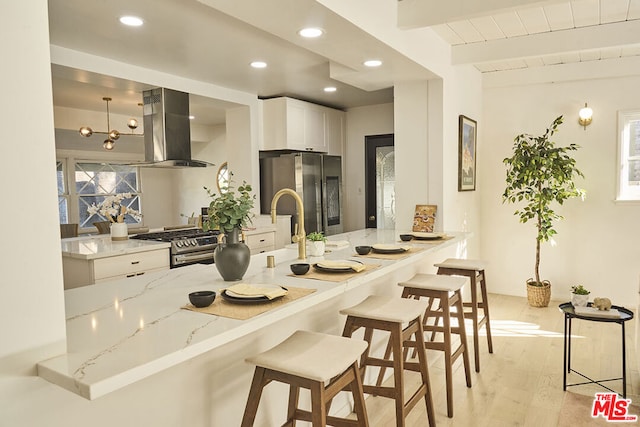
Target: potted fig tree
540, 174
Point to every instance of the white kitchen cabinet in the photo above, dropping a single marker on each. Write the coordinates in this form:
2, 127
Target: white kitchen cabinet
261, 241
291, 124
81, 272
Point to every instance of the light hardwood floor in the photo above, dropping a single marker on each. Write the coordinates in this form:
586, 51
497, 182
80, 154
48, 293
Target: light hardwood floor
520, 384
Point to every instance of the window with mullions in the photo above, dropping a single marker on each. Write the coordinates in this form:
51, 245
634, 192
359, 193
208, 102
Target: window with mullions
629, 155
95, 181
63, 193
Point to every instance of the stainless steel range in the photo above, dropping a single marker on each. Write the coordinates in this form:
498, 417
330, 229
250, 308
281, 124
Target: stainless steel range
188, 246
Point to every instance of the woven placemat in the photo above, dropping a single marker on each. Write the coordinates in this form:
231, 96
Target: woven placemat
222, 307
333, 277
402, 255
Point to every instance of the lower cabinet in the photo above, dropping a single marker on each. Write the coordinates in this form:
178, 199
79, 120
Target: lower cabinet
261, 242
79, 272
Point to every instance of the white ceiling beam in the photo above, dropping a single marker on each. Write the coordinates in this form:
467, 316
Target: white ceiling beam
426, 13
550, 43
577, 71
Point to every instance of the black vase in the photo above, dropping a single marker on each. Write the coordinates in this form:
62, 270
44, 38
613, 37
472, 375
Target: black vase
232, 257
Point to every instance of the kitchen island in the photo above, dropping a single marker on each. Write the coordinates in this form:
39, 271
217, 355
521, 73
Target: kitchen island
130, 335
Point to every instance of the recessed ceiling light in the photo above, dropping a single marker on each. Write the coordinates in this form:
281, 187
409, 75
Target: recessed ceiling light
259, 64
373, 63
132, 21
330, 89
311, 33
192, 117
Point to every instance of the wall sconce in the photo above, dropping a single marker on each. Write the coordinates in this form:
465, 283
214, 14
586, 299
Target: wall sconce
585, 115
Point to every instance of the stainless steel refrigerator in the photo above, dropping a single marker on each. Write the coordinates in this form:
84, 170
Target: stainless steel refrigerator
317, 178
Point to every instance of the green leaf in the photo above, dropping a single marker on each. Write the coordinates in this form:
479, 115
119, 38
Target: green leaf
231, 209
538, 173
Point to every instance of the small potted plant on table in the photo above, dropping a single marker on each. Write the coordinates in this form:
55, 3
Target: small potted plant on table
579, 296
317, 243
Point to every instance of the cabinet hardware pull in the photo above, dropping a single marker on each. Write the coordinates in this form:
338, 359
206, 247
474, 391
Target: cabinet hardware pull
135, 262
130, 275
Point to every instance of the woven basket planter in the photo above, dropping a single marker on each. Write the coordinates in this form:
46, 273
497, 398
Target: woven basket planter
538, 296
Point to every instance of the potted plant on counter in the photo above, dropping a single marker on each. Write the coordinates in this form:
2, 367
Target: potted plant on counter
579, 296
317, 243
539, 174
229, 212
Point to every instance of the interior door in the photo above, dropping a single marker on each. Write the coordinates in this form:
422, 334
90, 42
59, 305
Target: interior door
380, 180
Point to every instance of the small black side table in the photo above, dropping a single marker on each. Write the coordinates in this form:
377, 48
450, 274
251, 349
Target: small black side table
569, 314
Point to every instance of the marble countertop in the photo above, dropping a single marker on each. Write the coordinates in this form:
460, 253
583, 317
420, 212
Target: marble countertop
101, 246
123, 331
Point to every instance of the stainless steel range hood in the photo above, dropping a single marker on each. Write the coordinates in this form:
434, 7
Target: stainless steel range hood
167, 132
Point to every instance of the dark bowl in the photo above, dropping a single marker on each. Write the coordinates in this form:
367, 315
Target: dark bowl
363, 250
406, 237
202, 298
300, 268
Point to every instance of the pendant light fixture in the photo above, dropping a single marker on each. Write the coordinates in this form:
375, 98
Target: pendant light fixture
112, 134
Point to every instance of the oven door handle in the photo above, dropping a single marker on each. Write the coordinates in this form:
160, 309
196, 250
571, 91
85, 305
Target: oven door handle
194, 257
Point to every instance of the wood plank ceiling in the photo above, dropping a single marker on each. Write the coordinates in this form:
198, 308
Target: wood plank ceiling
557, 20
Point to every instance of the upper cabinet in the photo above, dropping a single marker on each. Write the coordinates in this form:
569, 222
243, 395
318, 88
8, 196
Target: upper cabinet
290, 124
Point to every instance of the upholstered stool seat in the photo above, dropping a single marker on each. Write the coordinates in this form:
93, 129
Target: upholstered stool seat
447, 290
474, 270
391, 315
324, 364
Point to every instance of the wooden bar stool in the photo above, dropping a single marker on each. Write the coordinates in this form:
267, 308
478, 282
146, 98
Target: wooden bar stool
448, 291
474, 270
324, 364
391, 314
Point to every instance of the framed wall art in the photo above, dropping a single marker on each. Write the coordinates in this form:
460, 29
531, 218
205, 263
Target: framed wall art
467, 133
424, 218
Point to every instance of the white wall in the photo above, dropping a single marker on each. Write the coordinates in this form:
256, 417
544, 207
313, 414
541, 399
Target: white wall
462, 95
597, 241
361, 122
31, 293
412, 151
190, 193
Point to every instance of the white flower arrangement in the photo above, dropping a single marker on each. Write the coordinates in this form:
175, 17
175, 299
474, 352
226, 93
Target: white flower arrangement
113, 209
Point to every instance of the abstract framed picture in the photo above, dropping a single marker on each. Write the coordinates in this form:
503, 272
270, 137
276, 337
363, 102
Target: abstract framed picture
424, 218
467, 133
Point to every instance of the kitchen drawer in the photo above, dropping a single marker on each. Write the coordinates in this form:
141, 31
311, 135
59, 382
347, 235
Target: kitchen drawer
261, 242
131, 264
